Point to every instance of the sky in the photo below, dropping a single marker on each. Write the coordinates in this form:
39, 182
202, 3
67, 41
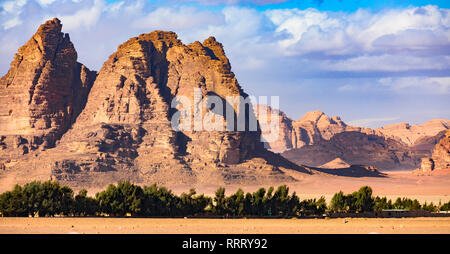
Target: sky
370, 62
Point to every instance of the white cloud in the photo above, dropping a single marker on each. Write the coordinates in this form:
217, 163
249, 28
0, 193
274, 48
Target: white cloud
115, 7
86, 17
11, 13
45, 2
13, 6
417, 84
333, 33
12, 23
184, 17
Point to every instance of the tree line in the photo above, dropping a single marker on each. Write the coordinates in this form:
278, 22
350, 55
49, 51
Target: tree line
127, 199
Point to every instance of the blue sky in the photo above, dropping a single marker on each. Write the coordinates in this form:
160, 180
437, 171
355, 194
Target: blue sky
371, 62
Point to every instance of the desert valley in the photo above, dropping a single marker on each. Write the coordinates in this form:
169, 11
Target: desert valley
86, 129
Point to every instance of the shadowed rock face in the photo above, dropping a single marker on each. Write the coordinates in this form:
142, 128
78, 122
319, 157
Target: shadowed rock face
440, 158
124, 131
43, 92
316, 139
358, 148
441, 152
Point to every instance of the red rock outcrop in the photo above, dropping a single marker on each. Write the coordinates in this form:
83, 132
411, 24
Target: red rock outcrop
309, 141
441, 152
440, 159
125, 132
356, 148
43, 92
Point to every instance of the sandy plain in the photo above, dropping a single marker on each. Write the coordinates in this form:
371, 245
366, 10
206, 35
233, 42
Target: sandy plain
224, 226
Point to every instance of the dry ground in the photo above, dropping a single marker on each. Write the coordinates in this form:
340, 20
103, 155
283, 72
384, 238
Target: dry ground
434, 188
223, 226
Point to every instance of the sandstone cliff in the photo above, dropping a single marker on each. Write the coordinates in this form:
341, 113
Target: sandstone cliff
124, 131
43, 92
309, 141
313, 127
440, 158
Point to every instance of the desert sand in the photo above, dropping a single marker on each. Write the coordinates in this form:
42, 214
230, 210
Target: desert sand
223, 226
434, 188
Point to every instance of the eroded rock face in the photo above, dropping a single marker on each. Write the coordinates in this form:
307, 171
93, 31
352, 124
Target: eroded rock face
313, 127
357, 148
125, 132
440, 158
310, 141
43, 92
441, 152
283, 140
427, 164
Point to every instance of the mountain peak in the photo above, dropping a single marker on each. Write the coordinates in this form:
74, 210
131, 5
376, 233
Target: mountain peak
313, 116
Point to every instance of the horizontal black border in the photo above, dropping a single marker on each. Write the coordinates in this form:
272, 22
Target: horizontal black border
385, 243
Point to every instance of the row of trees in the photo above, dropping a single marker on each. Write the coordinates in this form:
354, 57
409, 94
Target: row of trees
125, 198
363, 201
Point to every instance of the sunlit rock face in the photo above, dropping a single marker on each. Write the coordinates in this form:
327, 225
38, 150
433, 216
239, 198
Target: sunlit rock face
125, 129
43, 92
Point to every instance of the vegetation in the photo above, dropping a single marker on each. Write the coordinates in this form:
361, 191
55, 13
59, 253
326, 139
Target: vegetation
127, 199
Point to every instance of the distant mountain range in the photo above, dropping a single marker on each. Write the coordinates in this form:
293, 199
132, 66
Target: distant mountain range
316, 139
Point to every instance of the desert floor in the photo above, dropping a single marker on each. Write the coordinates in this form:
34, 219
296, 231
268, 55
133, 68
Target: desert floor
435, 188
223, 226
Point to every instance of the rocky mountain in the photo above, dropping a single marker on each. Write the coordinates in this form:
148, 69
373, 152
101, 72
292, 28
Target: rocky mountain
123, 130
356, 148
316, 139
43, 92
313, 127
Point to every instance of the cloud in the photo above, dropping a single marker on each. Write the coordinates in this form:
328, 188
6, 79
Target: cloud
417, 85
86, 17
362, 32
180, 18
10, 14
45, 2
234, 2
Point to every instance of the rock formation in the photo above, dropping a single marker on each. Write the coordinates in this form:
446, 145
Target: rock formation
336, 163
124, 131
313, 127
356, 148
410, 134
441, 152
439, 160
285, 132
309, 141
43, 92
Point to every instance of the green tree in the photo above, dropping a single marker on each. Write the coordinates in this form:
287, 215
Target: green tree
84, 205
363, 201
13, 203
235, 203
258, 202
121, 200
338, 202
220, 202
